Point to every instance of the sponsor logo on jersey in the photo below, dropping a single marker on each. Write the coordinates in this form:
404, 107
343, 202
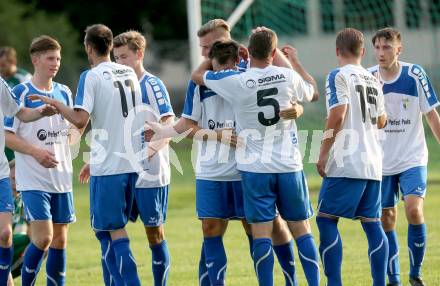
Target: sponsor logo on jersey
221, 125
250, 83
107, 75
405, 103
43, 134
211, 124
269, 79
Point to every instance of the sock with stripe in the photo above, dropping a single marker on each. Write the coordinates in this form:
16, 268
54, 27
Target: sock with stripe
377, 251
393, 267
56, 267
110, 271
263, 261
286, 259
203, 271
160, 263
6, 254
416, 248
308, 255
33, 257
215, 259
125, 262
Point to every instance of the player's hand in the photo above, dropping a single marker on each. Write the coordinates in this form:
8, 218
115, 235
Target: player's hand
243, 53
45, 158
44, 99
48, 110
258, 29
84, 174
293, 112
291, 53
320, 166
229, 137
155, 146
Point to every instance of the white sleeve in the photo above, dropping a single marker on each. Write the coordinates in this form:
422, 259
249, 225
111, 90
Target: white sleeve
10, 104
192, 108
158, 97
303, 89
225, 83
427, 96
380, 102
337, 91
12, 123
85, 95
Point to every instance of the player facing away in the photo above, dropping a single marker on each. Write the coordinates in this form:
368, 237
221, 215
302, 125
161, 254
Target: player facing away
151, 193
270, 162
408, 95
108, 94
44, 166
10, 106
351, 184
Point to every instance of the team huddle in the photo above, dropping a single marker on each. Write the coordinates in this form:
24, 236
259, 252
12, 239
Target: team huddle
240, 107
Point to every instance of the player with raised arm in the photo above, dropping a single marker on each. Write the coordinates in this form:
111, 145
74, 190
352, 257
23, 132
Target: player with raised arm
408, 95
10, 106
109, 94
271, 172
151, 193
44, 166
350, 159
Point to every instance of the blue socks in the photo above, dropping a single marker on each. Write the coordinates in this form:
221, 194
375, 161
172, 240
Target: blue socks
31, 265
330, 249
110, 271
125, 262
56, 267
416, 248
203, 271
263, 261
308, 255
160, 263
215, 259
286, 260
5, 263
377, 251
393, 268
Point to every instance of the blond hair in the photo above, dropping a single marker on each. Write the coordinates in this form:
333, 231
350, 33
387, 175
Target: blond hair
133, 39
219, 25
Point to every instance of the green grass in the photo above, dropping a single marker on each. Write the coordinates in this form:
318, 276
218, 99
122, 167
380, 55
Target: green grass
184, 237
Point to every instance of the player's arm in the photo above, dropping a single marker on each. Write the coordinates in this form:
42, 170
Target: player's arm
292, 55
382, 121
434, 123
293, 112
18, 144
199, 72
32, 114
333, 125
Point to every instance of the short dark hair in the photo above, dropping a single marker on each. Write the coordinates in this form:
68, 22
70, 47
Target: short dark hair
262, 43
100, 37
43, 44
224, 51
390, 34
8, 52
350, 42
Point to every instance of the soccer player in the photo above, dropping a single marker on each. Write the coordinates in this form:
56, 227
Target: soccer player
408, 95
13, 75
151, 193
350, 159
109, 94
272, 177
10, 106
44, 166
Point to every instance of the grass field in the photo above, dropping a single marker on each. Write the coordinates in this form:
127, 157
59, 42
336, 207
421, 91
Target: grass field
183, 233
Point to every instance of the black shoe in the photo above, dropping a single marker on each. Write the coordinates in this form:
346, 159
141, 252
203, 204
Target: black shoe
394, 284
416, 281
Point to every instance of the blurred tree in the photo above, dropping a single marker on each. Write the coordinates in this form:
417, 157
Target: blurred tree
21, 22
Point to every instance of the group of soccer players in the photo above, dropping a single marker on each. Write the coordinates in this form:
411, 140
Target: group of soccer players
246, 100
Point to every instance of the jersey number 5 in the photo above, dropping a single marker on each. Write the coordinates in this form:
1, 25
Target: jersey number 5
263, 101
129, 84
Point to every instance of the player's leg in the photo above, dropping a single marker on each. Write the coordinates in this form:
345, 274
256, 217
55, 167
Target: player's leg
295, 207
338, 197
152, 205
37, 212
110, 270
390, 198
63, 213
369, 210
413, 186
6, 248
213, 209
259, 207
111, 200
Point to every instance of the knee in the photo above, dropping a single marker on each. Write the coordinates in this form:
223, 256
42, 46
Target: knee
389, 217
415, 214
211, 228
6, 236
155, 235
42, 241
59, 241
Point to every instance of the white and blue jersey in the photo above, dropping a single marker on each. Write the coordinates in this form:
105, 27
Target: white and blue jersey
210, 111
256, 97
50, 133
110, 93
407, 98
157, 99
9, 106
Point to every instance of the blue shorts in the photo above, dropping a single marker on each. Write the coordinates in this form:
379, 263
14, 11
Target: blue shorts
111, 200
264, 194
6, 199
350, 198
411, 182
151, 205
57, 207
219, 199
